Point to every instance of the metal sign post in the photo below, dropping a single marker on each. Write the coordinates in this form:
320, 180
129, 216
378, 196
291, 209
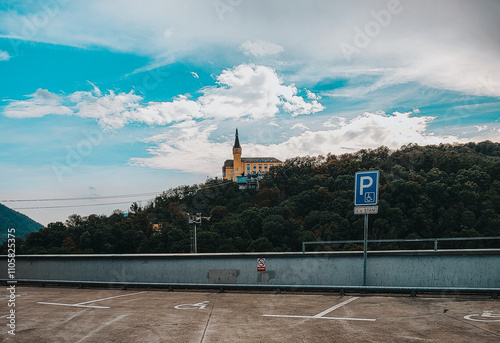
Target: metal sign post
365, 248
365, 201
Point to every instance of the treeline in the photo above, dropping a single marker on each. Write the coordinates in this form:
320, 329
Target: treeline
425, 192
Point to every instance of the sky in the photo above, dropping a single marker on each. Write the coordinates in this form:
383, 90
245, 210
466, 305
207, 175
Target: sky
111, 102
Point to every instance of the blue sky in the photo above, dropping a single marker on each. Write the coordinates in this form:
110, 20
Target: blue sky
100, 99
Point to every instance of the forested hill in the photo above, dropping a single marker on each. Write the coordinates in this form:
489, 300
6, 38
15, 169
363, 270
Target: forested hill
12, 219
425, 192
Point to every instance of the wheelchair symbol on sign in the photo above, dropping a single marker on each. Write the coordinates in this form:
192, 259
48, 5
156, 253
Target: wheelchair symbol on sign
369, 197
487, 316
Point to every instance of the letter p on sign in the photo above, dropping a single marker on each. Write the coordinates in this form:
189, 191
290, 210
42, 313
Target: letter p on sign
366, 182
366, 188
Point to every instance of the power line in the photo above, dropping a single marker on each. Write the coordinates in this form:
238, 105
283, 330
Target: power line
96, 197
108, 196
67, 206
83, 198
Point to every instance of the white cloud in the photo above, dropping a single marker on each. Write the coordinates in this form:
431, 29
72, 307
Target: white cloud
254, 91
188, 147
335, 121
96, 89
369, 130
423, 42
299, 126
260, 48
116, 110
450, 69
112, 110
4, 55
245, 91
311, 95
41, 103
195, 75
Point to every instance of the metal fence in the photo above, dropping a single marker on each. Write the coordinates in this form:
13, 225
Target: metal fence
418, 240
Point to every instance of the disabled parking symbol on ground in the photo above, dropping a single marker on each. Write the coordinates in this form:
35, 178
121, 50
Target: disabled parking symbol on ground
197, 306
487, 316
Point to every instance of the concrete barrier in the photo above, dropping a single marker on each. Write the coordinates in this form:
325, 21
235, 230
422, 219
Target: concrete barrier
434, 269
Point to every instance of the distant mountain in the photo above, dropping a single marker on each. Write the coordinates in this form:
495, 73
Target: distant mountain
13, 219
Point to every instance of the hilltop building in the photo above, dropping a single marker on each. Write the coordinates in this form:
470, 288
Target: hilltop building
246, 171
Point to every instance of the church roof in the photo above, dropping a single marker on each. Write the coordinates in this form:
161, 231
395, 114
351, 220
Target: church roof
259, 159
236, 141
230, 163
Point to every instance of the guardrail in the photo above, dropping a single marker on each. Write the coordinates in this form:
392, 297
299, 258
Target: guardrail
277, 288
421, 271
417, 240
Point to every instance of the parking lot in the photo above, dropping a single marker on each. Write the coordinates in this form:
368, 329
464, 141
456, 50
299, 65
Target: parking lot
58, 314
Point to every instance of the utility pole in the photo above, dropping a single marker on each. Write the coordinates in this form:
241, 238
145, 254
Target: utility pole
193, 221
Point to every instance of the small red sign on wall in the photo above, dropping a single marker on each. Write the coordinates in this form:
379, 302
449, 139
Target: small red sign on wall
261, 264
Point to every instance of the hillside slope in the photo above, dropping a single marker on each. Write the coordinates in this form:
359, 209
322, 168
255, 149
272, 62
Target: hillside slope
13, 219
425, 192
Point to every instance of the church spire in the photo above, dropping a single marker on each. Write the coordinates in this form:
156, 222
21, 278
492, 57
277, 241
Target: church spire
236, 141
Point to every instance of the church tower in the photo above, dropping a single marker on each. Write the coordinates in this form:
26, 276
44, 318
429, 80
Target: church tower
246, 170
238, 165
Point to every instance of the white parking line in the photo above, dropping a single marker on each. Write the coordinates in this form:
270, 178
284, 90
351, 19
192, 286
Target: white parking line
82, 304
117, 296
314, 317
333, 308
321, 314
72, 305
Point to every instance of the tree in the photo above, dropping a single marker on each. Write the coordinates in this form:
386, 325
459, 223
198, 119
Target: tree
425, 191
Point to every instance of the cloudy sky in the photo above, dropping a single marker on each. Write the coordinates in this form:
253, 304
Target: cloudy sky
101, 98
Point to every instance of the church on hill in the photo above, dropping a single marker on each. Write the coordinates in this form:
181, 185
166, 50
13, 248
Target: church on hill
246, 169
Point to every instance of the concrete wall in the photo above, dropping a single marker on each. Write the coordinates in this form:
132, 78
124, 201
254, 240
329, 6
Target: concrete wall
448, 269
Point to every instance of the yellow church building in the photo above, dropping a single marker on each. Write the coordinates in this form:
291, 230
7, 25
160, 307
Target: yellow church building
240, 168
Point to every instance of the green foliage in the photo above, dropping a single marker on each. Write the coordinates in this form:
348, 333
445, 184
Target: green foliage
425, 192
13, 219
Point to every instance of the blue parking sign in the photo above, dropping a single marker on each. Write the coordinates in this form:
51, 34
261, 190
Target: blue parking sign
366, 188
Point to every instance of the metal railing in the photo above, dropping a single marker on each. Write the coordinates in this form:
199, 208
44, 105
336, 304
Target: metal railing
418, 240
266, 287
